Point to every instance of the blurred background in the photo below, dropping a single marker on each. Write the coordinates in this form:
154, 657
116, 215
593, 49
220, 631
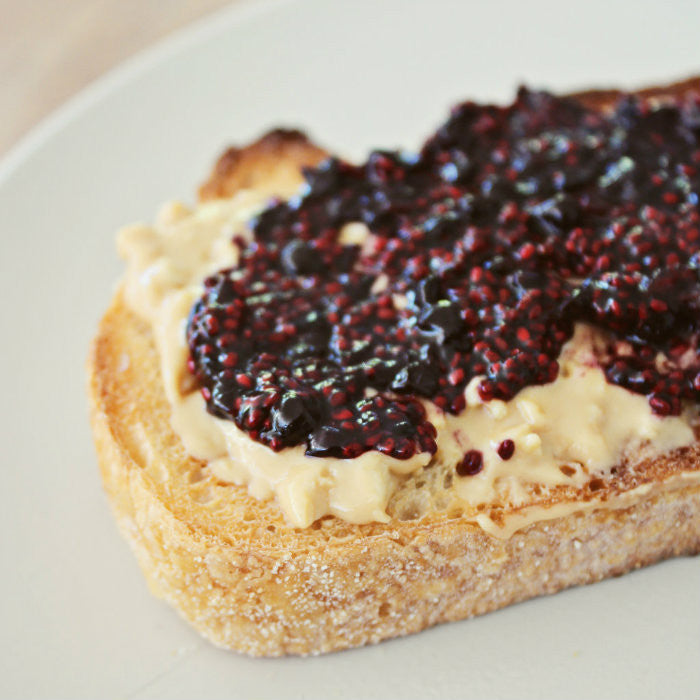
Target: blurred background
49, 50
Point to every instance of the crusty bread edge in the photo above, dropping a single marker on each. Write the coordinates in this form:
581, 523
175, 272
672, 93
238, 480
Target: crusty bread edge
274, 601
259, 162
286, 601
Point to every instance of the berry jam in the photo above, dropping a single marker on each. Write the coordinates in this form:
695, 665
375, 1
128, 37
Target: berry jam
510, 225
471, 464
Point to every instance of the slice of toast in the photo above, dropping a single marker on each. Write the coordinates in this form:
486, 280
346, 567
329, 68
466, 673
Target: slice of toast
247, 580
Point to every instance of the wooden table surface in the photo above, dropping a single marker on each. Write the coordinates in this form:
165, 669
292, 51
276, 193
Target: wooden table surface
50, 49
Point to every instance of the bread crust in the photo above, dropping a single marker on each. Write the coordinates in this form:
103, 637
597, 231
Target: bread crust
248, 581
276, 157
604, 99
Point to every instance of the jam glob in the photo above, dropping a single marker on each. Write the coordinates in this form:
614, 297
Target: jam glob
510, 225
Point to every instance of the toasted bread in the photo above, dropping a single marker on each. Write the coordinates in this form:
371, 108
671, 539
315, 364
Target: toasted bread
247, 580
273, 161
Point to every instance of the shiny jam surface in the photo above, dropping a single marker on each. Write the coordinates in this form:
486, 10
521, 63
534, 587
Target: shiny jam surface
510, 225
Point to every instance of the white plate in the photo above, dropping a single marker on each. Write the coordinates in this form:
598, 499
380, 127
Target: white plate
76, 617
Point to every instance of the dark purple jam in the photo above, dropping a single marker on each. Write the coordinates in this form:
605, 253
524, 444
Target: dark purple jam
506, 449
470, 464
511, 224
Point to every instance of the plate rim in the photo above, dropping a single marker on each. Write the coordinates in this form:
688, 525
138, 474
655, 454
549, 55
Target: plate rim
126, 71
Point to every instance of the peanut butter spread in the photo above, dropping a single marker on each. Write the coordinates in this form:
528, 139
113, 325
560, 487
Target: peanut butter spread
564, 432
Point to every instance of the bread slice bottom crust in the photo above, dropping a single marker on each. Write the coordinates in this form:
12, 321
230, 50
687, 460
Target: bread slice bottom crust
247, 581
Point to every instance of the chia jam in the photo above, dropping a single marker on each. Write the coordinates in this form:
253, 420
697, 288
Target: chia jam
485, 248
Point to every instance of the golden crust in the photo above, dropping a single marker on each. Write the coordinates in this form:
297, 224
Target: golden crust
604, 99
248, 581
278, 156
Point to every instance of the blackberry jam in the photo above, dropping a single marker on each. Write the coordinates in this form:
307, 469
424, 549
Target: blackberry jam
484, 249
